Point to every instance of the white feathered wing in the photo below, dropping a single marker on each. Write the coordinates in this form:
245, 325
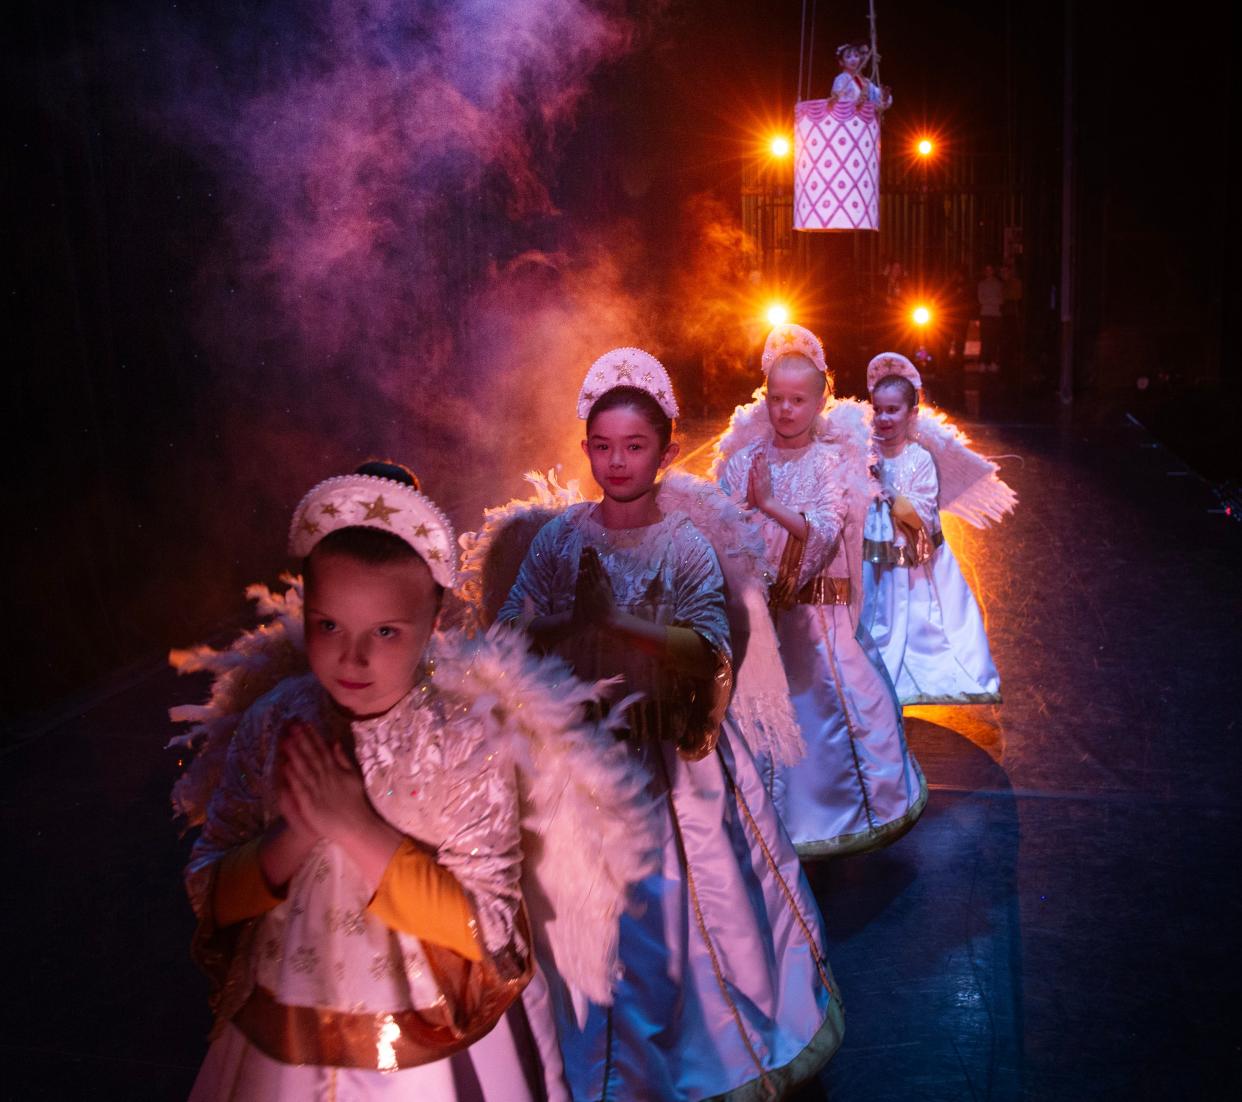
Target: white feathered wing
590, 825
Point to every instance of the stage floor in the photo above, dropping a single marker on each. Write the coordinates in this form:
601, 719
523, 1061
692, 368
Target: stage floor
1062, 923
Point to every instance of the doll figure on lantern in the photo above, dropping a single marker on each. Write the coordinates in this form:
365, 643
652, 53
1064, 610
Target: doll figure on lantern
852, 88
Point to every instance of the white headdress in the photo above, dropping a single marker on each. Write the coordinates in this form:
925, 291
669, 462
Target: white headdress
793, 340
892, 363
368, 501
627, 367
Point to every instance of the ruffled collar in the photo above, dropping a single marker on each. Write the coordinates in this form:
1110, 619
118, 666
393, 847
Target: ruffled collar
377, 738
786, 455
618, 538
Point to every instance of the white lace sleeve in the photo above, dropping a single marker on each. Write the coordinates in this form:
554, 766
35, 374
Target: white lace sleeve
923, 490
825, 511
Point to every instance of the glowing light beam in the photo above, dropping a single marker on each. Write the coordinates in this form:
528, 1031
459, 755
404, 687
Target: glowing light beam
778, 313
925, 147
921, 315
779, 146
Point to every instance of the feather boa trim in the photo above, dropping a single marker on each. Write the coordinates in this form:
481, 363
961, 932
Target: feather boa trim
970, 486
845, 423
492, 556
590, 824
255, 663
760, 707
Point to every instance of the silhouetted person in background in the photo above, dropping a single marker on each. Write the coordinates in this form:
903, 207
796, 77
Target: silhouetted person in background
1011, 318
991, 297
959, 308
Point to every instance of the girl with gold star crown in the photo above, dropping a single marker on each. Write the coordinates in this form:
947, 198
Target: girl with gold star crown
386, 834
919, 609
805, 476
725, 991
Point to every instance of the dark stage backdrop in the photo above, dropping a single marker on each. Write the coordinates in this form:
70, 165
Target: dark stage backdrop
252, 243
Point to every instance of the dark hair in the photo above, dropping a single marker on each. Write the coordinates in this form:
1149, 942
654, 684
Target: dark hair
642, 403
903, 384
391, 469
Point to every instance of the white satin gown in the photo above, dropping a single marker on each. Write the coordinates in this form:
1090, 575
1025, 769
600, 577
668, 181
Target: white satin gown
917, 605
859, 787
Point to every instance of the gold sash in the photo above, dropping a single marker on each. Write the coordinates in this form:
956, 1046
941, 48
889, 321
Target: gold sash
825, 591
784, 592
474, 999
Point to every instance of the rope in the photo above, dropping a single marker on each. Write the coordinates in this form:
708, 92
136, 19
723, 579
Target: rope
801, 49
875, 48
810, 53
806, 48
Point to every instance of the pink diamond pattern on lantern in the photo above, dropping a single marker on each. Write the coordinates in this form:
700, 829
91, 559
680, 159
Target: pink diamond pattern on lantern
836, 168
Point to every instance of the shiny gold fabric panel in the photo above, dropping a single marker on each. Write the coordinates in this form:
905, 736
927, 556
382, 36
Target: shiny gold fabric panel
784, 592
475, 998
886, 553
825, 591
707, 712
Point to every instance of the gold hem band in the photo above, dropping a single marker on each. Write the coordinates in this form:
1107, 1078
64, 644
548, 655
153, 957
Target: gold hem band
864, 841
815, 1054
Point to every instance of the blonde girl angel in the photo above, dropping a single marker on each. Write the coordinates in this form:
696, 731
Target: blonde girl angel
802, 469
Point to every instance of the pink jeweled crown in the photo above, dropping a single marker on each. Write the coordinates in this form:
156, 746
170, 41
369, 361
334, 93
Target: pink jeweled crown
892, 363
627, 367
793, 340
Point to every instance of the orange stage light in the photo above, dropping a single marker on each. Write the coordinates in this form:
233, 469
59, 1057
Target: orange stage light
778, 313
779, 146
925, 147
921, 315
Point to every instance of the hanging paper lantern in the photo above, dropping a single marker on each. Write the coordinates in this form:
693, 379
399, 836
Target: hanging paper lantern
836, 166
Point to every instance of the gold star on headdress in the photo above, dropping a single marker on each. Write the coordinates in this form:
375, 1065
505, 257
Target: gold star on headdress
421, 531
309, 526
434, 554
625, 370
377, 510
330, 510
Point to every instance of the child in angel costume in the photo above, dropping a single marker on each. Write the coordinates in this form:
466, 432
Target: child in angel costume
805, 475
850, 87
918, 607
725, 991
385, 836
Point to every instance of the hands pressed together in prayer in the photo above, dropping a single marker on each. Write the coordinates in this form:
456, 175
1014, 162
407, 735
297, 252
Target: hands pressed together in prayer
759, 485
319, 789
762, 497
321, 795
594, 603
